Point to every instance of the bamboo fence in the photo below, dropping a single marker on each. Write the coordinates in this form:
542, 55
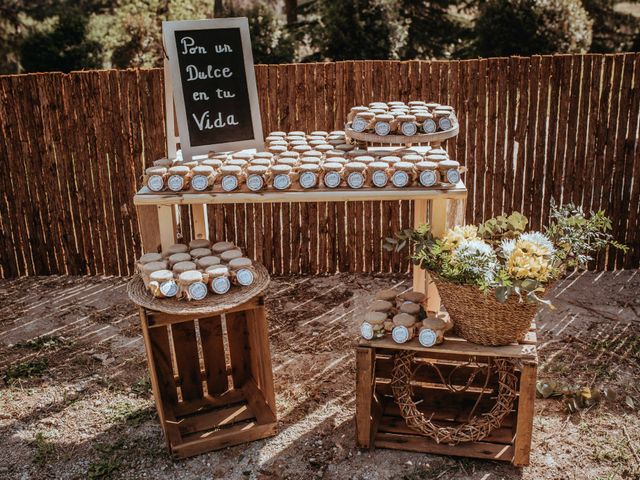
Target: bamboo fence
73, 148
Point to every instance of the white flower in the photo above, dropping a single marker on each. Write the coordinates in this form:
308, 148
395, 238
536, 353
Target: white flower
471, 247
539, 239
507, 246
477, 257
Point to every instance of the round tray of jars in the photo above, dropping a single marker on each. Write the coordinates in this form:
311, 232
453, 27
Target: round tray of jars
211, 304
417, 139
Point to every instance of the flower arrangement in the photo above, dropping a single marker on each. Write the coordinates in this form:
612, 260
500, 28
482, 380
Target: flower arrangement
501, 255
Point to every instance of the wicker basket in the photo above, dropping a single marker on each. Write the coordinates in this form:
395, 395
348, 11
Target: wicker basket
479, 318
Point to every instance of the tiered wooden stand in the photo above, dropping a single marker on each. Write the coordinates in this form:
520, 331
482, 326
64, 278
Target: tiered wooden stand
209, 393
380, 424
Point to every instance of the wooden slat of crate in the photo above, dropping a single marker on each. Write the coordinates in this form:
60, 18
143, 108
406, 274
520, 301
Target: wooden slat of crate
215, 366
186, 349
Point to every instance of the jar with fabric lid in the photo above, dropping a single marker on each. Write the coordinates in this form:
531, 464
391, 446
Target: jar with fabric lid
345, 147
416, 103
412, 158
319, 133
364, 159
407, 124
241, 271
296, 133
302, 148
199, 243
355, 111
154, 178
432, 105
278, 134
262, 155
205, 262
402, 174
237, 162
219, 282
310, 160
383, 125
308, 174
396, 103
382, 105
230, 177
229, 255
281, 142
363, 121
189, 164
356, 152
292, 162
163, 162
219, 247
150, 257
182, 267
193, 284
202, 177
378, 176
257, 176
200, 252
390, 159
288, 154
277, 149
429, 124
178, 178
443, 118
332, 174
281, 176
438, 151
162, 284
316, 142
404, 327
295, 142
212, 162
148, 268
435, 157
334, 154
262, 162
340, 160
175, 248
449, 171
355, 173
177, 258
325, 147
334, 142
427, 173
246, 156
272, 138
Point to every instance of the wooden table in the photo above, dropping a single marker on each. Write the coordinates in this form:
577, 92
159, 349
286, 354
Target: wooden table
442, 208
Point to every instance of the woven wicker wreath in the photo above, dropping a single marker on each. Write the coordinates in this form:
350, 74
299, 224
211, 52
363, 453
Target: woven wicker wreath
478, 427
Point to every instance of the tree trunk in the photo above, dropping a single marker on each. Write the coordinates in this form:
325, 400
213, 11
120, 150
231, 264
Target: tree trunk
218, 9
291, 8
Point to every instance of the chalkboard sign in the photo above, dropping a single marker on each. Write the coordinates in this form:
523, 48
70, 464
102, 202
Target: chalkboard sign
214, 85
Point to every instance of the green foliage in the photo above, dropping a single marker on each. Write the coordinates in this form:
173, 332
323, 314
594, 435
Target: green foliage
45, 342
32, 368
108, 463
528, 27
613, 30
64, 48
131, 414
44, 449
578, 235
359, 29
502, 227
270, 39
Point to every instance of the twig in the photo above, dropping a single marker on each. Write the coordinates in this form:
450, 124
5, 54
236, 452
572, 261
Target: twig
633, 450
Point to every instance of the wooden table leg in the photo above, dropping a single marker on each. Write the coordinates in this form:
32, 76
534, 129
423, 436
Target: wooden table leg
199, 216
419, 218
167, 225
149, 228
524, 427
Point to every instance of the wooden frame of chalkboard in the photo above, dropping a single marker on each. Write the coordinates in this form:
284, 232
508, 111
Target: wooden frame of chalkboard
214, 85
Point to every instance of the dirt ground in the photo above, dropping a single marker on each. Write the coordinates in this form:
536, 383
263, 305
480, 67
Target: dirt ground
75, 399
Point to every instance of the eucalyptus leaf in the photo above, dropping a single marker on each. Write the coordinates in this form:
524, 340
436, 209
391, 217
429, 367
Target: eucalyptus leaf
502, 294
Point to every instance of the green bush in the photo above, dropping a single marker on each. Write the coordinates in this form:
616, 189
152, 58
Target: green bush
529, 27
359, 29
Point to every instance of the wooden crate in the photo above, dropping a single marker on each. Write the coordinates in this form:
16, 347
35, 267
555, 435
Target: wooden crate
380, 424
211, 377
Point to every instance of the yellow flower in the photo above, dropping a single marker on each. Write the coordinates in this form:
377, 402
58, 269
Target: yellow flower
529, 261
457, 234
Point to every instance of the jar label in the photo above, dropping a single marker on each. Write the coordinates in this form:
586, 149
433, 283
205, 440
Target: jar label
366, 330
400, 334
199, 182
445, 123
244, 277
255, 182
308, 180
453, 176
358, 125
229, 183
427, 337
379, 178
409, 129
382, 128
282, 181
175, 183
155, 183
332, 179
400, 179
169, 289
429, 126
197, 291
220, 285
355, 180
428, 178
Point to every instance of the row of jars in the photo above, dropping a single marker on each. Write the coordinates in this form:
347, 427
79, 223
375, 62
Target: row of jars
403, 316
311, 172
400, 118
195, 270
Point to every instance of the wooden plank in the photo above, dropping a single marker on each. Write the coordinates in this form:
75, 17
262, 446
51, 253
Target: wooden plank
149, 228
481, 153
257, 402
415, 443
365, 358
216, 418
556, 71
521, 135
536, 182
492, 120
158, 319
530, 145
213, 355
524, 428
208, 403
239, 349
260, 354
419, 218
186, 350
